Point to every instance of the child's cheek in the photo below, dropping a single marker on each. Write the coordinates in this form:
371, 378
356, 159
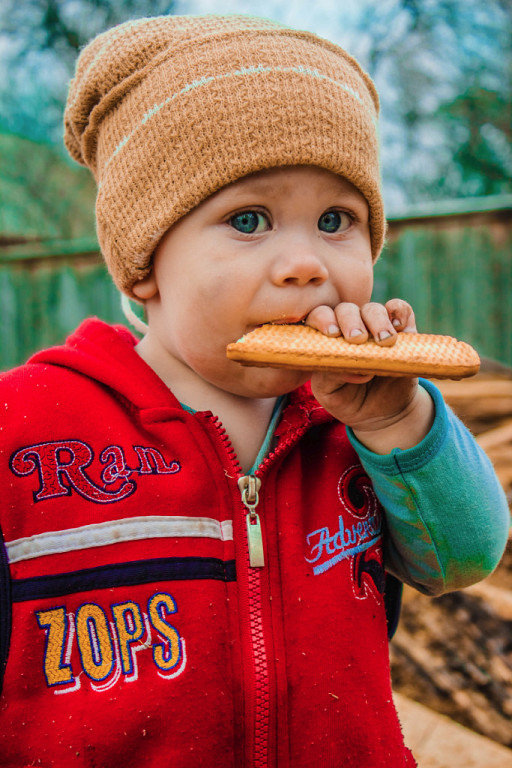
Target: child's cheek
222, 295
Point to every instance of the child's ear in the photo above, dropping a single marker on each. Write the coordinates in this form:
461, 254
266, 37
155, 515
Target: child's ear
146, 288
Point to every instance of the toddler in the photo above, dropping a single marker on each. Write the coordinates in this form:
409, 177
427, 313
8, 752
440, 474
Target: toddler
202, 560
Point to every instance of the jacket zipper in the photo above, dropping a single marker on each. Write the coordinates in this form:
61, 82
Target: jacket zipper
249, 487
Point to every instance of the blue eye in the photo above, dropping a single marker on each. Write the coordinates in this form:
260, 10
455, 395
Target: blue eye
249, 222
334, 221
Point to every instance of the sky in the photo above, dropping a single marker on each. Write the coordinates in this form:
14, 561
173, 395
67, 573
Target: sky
313, 15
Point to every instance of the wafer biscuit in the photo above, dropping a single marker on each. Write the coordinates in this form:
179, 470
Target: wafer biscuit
304, 348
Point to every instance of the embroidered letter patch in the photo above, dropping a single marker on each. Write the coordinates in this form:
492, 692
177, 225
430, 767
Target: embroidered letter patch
359, 527
108, 644
63, 466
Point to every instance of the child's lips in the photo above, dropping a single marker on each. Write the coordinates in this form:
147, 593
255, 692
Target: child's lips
287, 320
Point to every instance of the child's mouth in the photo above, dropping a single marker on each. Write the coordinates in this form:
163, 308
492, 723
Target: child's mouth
288, 320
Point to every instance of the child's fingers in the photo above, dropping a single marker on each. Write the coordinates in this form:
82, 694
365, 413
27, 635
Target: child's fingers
378, 322
356, 324
345, 319
329, 384
351, 323
323, 319
401, 315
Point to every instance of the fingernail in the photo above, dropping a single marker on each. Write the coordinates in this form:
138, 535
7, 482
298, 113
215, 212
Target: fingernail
333, 330
356, 332
384, 335
396, 322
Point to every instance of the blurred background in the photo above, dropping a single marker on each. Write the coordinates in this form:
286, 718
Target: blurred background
443, 69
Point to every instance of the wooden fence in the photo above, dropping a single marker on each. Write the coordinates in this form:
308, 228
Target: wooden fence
451, 261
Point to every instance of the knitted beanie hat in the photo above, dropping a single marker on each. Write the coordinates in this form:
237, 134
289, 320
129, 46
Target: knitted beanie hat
167, 110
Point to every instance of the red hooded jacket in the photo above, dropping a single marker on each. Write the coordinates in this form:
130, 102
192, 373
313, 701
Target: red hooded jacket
140, 633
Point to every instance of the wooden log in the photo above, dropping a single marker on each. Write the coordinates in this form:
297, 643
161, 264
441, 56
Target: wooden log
453, 696
455, 391
501, 454
497, 598
483, 407
505, 477
496, 436
438, 742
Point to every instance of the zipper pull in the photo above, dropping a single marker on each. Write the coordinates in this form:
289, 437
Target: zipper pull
249, 486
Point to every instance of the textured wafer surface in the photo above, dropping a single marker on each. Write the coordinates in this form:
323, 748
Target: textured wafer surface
302, 347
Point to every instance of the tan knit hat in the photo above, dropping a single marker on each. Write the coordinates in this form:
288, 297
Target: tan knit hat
167, 110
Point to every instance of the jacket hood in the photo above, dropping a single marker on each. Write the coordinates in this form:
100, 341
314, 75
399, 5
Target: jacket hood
106, 353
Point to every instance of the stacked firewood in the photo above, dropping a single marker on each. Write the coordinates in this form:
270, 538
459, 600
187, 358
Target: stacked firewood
454, 653
484, 403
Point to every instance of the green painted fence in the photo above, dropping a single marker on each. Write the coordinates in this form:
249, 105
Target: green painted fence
459, 282
453, 263
44, 299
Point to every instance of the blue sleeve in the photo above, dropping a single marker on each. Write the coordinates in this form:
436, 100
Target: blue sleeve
447, 517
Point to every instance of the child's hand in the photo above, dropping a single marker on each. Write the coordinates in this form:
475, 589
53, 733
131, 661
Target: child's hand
384, 412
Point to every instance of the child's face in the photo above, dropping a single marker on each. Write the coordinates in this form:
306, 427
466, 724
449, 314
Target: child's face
267, 249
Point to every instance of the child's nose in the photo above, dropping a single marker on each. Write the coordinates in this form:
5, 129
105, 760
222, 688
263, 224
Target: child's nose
299, 266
